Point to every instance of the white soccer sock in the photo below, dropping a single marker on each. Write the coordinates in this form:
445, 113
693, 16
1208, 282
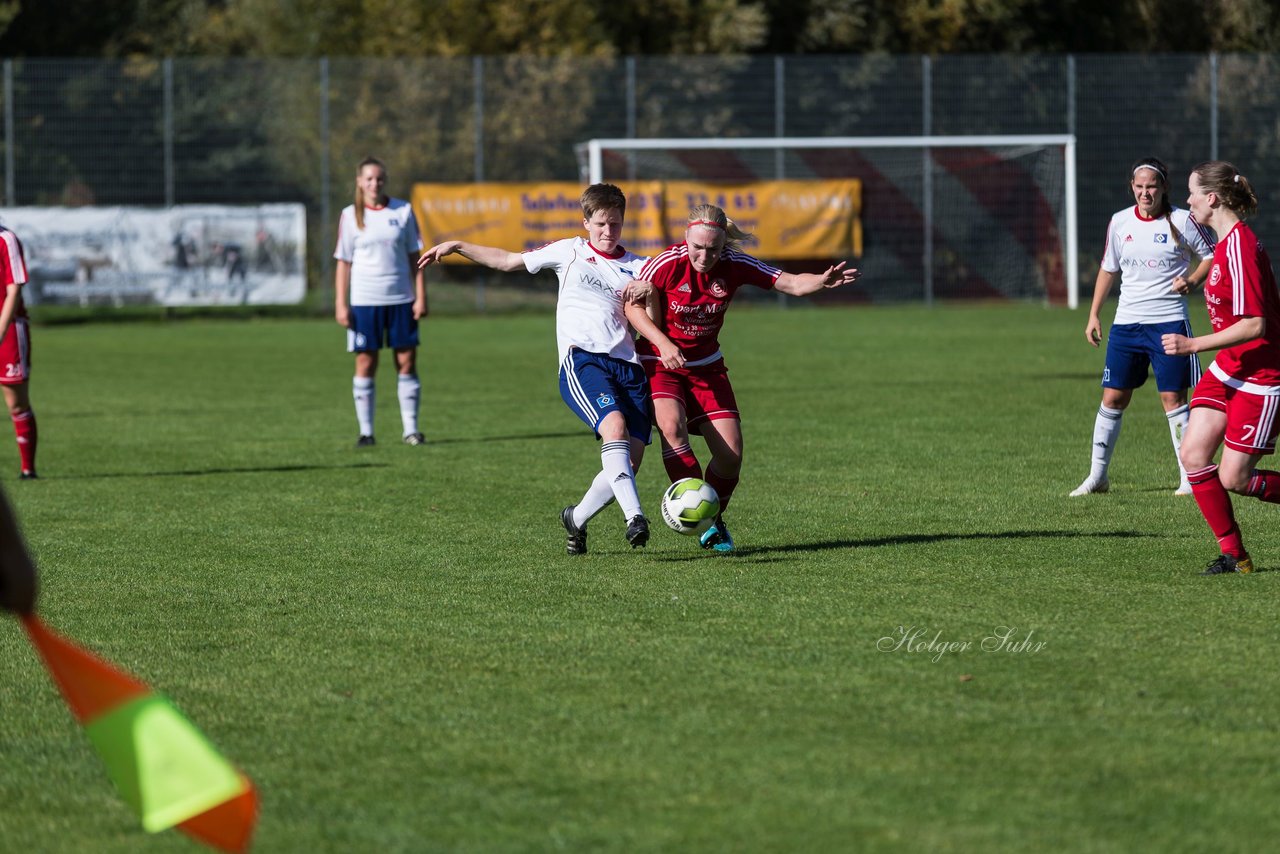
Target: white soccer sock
409, 390
1177, 426
615, 460
599, 496
362, 390
1106, 432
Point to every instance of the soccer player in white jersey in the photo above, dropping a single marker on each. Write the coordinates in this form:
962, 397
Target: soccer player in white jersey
15, 350
1151, 248
377, 255
601, 379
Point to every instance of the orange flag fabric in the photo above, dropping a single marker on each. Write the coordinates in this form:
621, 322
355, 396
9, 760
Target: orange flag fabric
163, 766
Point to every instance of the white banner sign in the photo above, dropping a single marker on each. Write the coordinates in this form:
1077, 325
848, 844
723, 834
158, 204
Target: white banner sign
184, 255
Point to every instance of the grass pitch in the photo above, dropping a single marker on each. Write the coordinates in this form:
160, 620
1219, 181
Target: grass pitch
921, 645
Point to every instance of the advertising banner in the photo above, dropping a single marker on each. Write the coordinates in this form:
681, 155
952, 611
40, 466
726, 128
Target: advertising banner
787, 219
187, 255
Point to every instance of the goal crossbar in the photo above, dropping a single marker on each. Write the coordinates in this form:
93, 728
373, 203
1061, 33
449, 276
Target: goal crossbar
595, 149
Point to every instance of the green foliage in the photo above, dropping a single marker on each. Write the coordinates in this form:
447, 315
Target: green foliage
394, 645
395, 28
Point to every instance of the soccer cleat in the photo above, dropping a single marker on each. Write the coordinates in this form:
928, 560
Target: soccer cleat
415, 439
717, 537
28, 475
638, 532
576, 542
1090, 486
364, 442
1224, 564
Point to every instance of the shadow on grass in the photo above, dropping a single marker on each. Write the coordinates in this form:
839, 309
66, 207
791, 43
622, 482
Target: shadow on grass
522, 437
911, 539
201, 472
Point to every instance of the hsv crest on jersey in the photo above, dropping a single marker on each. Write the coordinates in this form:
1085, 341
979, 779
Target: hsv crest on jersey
1162, 238
604, 400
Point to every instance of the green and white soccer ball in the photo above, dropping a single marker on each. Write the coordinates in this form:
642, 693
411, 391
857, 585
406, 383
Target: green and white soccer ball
689, 506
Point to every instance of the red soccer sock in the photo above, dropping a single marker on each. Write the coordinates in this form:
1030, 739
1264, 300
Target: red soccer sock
1264, 485
24, 426
681, 463
1215, 505
724, 486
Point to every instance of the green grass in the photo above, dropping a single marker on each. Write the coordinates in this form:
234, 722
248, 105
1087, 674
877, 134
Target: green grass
392, 643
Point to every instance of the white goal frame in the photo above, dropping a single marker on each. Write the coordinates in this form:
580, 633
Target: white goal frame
595, 149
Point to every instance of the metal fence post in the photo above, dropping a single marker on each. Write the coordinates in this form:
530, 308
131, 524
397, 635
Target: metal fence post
10, 194
926, 189
1213, 105
477, 67
780, 130
325, 189
169, 193
631, 115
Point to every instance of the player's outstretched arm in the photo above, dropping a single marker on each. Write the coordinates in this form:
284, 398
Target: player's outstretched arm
488, 256
803, 284
17, 572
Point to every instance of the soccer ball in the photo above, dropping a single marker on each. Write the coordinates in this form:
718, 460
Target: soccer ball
689, 506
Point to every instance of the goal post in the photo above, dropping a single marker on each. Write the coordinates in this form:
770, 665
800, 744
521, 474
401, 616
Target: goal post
964, 198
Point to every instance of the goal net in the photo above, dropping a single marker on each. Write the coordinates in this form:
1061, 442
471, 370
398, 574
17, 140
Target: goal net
941, 217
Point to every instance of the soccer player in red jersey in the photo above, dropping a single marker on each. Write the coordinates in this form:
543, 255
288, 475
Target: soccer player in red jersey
1234, 405
15, 350
693, 284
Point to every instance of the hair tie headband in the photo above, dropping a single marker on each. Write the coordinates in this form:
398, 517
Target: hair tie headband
707, 223
1236, 178
1153, 168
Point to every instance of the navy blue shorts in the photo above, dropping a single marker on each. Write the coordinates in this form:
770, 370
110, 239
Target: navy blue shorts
1132, 347
593, 385
376, 326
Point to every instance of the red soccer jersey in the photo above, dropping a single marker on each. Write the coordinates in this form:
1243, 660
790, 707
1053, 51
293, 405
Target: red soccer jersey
694, 303
1242, 284
13, 267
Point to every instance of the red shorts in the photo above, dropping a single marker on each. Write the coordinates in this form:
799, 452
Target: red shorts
1251, 418
15, 353
705, 391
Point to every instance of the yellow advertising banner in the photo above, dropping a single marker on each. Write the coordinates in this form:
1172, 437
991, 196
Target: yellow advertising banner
787, 219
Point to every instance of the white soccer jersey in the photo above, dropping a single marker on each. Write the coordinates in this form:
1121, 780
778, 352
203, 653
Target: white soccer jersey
589, 312
1148, 256
379, 253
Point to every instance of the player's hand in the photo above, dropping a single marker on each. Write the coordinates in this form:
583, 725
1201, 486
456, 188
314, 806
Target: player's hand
836, 276
670, 356
342, 314
435, 253
420, 309
1093, 331
637, 291
1177, 345
1181, 285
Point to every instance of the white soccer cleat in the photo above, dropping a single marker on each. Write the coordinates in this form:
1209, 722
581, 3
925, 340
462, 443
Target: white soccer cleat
1090, 486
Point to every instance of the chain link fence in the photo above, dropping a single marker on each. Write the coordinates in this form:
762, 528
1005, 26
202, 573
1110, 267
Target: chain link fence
238, 131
